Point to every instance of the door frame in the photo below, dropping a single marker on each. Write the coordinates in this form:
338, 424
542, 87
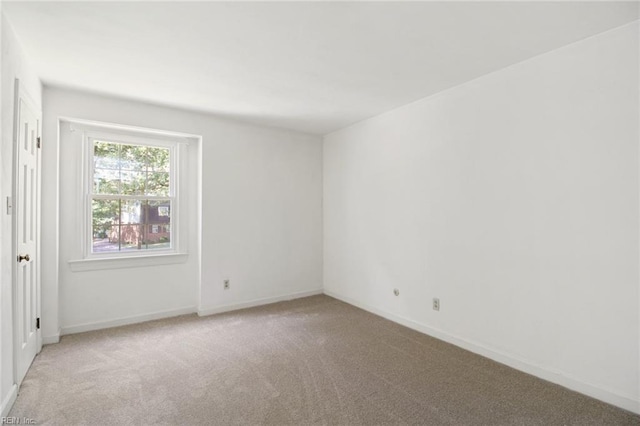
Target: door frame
20, 94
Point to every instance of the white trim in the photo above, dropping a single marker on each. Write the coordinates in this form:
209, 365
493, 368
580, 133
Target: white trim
198, 222
256, 302
9, 400
627, 402
638, 298
131, 261
14, 231
50, 340
22, 96
105, 134
81, 328
101, 125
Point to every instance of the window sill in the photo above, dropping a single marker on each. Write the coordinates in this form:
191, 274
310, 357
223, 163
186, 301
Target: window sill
127, 262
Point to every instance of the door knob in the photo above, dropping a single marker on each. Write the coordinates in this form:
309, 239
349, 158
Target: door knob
25, 257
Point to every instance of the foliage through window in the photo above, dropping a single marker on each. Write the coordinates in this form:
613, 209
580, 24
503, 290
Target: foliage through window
131, 197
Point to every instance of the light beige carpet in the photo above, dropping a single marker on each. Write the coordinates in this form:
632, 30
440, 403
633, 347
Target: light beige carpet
309, 361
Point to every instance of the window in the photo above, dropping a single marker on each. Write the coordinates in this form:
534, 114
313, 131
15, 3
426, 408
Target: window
136, 202
131, 193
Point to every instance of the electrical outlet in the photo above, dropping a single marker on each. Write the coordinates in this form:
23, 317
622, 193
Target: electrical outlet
396, 291
436, 304
226, 284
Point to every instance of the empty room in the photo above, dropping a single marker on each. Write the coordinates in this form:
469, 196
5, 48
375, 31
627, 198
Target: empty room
301, 213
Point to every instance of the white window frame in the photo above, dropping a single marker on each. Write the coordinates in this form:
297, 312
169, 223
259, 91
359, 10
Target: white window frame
177, 144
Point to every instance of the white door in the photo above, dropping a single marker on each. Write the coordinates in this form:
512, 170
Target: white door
26, 211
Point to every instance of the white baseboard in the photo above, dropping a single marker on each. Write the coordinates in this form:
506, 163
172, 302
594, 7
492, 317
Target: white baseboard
626, 402
49, 340
256, 302
80, 328
7, 403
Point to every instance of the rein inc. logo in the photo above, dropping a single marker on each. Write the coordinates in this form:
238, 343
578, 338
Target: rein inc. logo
17, 421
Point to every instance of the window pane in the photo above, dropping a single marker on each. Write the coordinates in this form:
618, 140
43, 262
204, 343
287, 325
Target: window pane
132, 183
131, 169
127, 225
158, 224
106, 155
105, 215
106, 239
131, 211
106, 181
131, 237
157, 184
158, 159
133, 157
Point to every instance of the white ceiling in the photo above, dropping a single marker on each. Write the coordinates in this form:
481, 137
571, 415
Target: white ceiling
313, 67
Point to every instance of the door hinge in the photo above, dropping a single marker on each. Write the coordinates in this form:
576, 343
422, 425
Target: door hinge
39, 143
38, 323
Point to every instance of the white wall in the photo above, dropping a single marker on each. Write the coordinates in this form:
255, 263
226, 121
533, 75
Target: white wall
261, 218
514, 199
14, 65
